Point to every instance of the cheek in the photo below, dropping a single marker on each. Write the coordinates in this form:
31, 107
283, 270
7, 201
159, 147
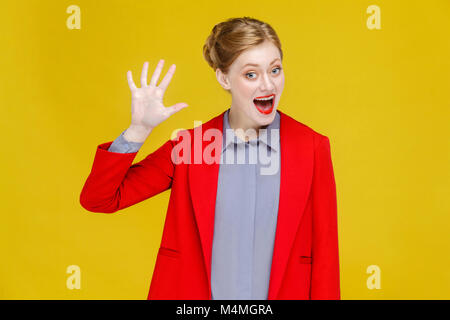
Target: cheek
244, 88
247, 92
280, 83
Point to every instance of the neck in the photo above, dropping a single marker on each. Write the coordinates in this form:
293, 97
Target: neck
240, 124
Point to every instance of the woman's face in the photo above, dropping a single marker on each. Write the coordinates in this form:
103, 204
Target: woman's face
256, 73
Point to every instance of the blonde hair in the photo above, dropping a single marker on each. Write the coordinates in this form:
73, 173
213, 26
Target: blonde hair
230, 38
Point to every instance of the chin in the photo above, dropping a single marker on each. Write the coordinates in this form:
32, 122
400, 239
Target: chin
265, 119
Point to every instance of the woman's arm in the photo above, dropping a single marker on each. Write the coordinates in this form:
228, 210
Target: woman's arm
325, 250
114, 183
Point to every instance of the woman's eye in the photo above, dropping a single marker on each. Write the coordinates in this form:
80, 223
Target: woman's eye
279, 68
250, 73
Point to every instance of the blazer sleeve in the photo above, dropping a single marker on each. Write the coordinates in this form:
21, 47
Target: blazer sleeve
114, 183
325, 249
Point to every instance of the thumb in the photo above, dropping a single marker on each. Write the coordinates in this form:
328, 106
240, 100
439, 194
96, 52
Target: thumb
175, 108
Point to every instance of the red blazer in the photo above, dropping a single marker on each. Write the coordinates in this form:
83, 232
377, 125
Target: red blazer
305, 263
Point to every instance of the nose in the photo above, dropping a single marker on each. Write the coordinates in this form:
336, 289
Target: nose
266, 84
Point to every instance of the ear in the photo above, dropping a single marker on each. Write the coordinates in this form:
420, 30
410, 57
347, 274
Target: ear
223, 79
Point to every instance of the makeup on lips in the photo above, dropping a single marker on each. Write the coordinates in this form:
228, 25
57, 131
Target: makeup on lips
264, 104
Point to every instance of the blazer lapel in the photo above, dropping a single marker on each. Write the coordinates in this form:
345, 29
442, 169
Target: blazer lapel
297, 153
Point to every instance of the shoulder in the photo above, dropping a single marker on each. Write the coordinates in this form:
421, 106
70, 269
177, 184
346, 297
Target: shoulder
301, 129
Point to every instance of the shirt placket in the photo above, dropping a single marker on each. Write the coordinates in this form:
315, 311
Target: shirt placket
247, 231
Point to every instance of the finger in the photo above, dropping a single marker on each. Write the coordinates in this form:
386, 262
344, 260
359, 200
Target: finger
144, 75
175, 108
157, 72
165, 82
130, 81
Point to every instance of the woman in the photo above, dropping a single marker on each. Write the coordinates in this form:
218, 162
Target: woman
240, 230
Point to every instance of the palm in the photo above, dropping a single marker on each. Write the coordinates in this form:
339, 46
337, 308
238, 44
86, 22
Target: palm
147, 107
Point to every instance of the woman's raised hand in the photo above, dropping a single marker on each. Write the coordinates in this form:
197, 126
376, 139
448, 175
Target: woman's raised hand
147, 108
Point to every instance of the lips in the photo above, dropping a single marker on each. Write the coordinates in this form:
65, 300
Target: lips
268, 96
265, 107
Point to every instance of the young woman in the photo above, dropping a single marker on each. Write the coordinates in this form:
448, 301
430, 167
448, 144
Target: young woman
234, 229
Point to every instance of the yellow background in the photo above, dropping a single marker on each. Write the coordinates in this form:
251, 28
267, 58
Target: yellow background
381, 96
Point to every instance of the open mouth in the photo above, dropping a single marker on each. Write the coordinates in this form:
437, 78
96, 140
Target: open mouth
264, 104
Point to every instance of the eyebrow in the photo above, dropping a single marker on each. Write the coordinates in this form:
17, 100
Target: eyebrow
256, 65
